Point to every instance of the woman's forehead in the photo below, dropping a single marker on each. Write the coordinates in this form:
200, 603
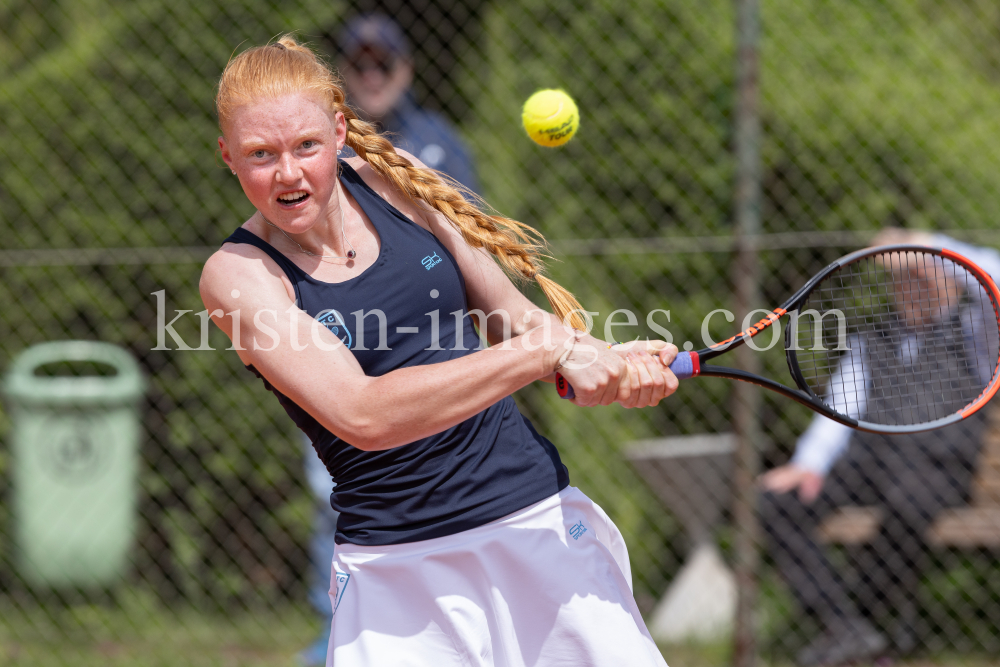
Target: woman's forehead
283, 113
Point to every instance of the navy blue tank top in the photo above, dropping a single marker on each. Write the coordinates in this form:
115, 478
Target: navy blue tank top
401, 312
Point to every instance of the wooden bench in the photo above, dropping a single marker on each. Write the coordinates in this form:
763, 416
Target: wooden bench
976, 525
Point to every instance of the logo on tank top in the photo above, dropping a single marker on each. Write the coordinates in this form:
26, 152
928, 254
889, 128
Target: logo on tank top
334, 321
577, 531
342, 578
430, 261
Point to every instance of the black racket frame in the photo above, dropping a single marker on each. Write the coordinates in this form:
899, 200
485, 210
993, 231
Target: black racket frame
804, 394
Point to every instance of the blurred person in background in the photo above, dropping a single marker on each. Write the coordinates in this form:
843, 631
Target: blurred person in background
374, 57
375, 60
910, 478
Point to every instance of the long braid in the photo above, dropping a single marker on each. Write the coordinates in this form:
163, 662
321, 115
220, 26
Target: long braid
517, 246
287, 67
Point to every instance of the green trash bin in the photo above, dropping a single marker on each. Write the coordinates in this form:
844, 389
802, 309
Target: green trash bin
75, 462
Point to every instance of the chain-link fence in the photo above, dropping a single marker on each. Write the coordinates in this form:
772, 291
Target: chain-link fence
873, 114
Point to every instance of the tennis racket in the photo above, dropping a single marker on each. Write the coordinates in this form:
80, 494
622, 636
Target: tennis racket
891, 339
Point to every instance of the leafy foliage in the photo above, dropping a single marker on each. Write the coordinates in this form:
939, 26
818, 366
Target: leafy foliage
875, 112
107, 141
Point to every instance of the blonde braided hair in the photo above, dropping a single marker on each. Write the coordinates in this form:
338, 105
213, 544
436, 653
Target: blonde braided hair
287, 67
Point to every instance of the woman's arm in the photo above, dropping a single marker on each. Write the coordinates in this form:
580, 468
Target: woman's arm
504, 312
310, 365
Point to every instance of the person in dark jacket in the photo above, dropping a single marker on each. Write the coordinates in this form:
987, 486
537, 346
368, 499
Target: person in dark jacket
375, 60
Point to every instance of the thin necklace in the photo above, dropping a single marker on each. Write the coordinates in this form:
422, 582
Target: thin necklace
351, 254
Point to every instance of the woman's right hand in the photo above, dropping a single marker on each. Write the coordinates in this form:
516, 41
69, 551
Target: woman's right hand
649, 368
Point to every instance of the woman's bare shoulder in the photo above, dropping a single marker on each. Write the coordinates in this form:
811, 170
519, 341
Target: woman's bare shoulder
372, 178
239, 267
390, 192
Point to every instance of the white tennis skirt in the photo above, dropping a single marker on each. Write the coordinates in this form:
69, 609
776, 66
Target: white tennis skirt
547, 585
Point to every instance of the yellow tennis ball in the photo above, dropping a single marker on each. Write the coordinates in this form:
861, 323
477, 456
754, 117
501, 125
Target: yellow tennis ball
550, 117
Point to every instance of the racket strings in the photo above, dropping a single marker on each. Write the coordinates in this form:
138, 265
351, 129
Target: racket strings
898, 338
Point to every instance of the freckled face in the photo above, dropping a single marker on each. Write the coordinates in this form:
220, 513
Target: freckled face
284, 151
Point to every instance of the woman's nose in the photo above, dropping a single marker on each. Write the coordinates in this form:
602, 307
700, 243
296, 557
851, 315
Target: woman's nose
288, 170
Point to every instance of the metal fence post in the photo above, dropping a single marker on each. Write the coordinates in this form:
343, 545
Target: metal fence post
746, 397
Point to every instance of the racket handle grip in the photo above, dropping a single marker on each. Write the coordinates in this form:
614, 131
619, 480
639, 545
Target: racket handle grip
685, 365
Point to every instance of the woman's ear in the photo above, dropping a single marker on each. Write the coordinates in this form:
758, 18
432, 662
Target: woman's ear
339, 128
224, 152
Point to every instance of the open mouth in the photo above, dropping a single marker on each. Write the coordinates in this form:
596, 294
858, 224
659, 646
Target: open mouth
293, 198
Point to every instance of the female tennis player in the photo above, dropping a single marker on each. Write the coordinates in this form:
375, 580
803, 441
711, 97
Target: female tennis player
351, 293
